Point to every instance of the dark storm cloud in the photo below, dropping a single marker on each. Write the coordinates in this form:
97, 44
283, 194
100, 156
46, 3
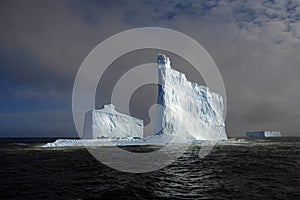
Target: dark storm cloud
51, 123
28, 71
254, 43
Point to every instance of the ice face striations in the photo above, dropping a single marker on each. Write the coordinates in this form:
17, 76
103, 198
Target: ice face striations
188, 108
107, 123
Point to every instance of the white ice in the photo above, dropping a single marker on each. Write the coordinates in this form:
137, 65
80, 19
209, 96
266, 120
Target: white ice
189, 110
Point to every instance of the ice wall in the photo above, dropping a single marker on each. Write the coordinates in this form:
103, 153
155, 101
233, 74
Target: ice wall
188, 108
108, 123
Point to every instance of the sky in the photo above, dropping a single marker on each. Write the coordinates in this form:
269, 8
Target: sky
255, 44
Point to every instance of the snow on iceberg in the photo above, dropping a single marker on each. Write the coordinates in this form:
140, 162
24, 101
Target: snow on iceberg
108, 123
189, 110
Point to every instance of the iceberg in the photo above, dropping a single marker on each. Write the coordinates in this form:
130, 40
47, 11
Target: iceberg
189, 110
263, 134
108, 123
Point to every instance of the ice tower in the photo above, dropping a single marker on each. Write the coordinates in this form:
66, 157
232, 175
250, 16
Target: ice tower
189, 109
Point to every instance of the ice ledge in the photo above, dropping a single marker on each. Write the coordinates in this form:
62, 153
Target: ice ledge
130, 141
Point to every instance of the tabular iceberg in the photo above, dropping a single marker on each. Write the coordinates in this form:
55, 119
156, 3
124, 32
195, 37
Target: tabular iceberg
108, 123
189, 110
263, 134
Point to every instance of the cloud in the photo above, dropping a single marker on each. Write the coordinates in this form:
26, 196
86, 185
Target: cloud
51, 123
295, 29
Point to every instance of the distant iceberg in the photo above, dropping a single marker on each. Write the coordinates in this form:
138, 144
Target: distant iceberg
189, 110
263, 134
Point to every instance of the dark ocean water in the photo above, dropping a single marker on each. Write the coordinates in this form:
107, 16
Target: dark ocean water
240, 169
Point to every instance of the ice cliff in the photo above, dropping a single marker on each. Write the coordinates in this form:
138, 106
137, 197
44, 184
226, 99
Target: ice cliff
108, 123
188, 108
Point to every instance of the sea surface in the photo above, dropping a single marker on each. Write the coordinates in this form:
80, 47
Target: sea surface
238, 169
